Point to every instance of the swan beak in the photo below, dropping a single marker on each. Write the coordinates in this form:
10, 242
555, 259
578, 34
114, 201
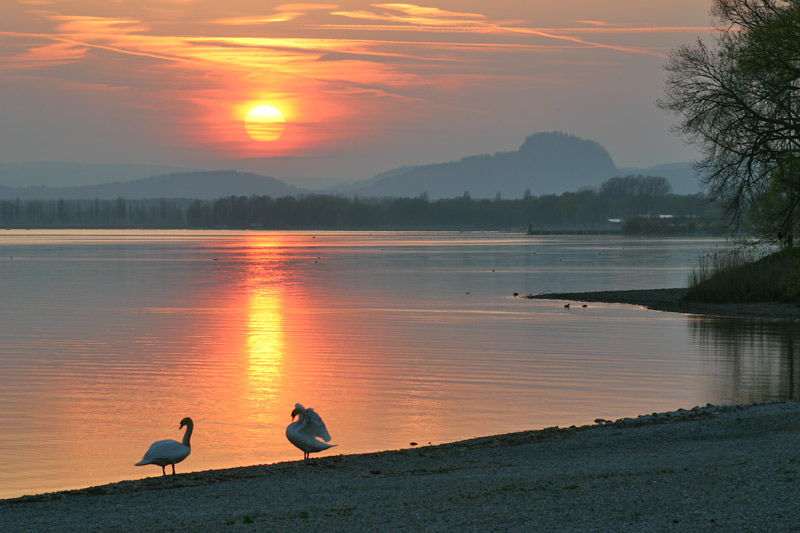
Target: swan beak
182, 424
295, 413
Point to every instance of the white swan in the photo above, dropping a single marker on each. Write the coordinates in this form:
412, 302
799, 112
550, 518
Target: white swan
168, 451
304, 431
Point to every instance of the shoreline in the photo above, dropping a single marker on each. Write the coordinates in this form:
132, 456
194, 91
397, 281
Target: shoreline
711, 468
671, 300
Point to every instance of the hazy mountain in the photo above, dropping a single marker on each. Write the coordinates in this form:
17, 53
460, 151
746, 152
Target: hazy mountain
199, 185
356, 186
546, 163
60, 174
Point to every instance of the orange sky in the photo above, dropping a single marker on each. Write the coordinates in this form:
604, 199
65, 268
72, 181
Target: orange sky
364, 87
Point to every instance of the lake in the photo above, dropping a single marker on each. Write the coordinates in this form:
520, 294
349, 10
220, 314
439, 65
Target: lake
110, 338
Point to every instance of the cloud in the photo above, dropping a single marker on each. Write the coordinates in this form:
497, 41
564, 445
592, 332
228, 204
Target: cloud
592, 22
324, 65
413, 15
44, 56
430, 13
268, 19
283, 13
74, 35
305, 7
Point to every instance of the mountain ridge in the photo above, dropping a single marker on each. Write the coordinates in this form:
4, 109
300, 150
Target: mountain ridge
545, 163
55, 173
200, 185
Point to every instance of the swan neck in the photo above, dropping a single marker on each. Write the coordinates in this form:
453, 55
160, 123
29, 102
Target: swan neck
188, 434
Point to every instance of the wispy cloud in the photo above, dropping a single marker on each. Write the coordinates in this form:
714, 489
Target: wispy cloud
409, 17
592, 22
320, 61
73, 35
306, 7
283, 13
413, 15
47, 55
285, 16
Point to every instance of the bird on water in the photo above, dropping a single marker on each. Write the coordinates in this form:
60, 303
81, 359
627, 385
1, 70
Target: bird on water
168, 452
306, 431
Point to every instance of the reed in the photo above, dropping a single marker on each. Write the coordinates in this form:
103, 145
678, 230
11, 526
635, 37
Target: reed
743, 275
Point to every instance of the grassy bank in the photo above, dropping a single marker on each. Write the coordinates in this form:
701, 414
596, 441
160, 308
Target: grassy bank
745, 276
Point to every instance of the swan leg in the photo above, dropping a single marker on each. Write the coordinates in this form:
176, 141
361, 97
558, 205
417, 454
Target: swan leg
173, 469
163, 472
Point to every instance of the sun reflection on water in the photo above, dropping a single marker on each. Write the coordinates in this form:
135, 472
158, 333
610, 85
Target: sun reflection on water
265, 351
265, 342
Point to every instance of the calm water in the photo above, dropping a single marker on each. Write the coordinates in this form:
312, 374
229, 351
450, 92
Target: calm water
110, 338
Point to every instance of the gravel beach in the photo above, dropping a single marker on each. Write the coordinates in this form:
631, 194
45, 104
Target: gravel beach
706, 468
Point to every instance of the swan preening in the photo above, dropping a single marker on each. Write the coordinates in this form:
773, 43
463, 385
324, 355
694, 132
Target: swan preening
304, 431
168, 451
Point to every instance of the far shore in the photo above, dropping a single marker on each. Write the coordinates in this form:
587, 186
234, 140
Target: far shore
671, 300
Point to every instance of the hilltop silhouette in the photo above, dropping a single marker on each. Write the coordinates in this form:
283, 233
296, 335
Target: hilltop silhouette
61, 174
196, 185
546, 163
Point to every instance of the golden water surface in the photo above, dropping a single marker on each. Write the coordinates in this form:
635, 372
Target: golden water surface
110, 338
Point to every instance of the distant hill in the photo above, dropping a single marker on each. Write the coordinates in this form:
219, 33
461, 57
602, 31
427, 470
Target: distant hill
357, 186
546, 163
61, 174
195, 185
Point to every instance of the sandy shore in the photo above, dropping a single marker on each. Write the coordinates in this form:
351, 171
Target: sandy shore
711, 468
732, 468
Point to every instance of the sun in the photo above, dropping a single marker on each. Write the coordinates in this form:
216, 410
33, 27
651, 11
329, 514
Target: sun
264, 123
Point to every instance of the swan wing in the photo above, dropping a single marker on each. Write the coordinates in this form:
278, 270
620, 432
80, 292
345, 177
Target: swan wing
304, 440
166, 451
314, 426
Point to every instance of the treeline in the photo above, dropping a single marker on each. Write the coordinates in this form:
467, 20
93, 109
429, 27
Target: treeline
585, 209
119, 213
625, 199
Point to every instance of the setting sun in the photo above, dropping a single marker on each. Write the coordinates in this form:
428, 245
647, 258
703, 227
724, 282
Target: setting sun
264, 123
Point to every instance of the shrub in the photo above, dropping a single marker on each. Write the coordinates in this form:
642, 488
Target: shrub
738, 276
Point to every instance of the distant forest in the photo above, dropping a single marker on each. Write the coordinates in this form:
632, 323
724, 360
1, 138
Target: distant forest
636, 204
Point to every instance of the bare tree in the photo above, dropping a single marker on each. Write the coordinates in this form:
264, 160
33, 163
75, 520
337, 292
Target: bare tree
626, 186
737, 100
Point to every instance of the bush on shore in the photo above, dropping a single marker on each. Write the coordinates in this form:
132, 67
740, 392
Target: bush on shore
740, 276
